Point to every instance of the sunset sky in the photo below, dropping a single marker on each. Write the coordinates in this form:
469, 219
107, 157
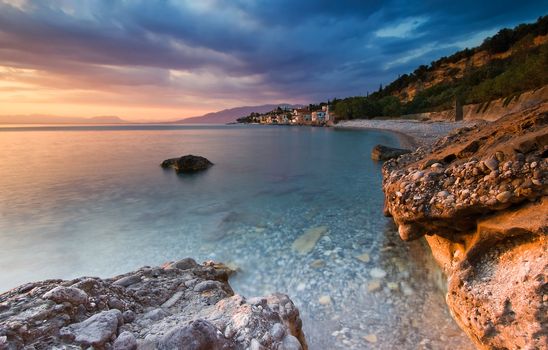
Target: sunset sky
164, 60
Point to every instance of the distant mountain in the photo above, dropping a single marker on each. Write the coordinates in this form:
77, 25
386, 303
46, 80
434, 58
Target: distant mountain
230, 115
107, 119
51, 119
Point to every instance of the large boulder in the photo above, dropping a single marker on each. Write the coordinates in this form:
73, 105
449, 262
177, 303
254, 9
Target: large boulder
96, 330
187, 164
479, 196
182, 304
72, 295
383, 153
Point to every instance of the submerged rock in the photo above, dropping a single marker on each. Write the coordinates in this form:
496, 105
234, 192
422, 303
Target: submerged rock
371, 338
180, 305
324, 300
374, 285
364, 257
187, 164
382, 153
483, 210
307, 241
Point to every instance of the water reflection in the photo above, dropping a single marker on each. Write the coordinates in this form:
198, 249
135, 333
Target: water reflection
95, 202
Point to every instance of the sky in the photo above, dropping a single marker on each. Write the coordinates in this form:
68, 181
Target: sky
167, 59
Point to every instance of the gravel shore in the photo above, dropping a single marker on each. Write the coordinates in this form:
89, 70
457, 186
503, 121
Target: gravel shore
414, 133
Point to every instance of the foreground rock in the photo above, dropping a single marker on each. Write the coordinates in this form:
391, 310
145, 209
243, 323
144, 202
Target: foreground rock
479, 195
181, 305
383, 153
187, 164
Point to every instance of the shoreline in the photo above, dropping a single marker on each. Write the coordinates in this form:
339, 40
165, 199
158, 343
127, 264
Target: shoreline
412, 134
392, 283
406, 141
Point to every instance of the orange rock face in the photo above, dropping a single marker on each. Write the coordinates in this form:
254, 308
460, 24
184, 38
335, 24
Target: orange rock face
479, 196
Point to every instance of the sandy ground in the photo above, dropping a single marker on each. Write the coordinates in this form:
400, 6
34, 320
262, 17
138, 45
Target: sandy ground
414, 133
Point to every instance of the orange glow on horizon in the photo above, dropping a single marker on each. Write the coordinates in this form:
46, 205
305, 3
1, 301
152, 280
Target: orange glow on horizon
109, 91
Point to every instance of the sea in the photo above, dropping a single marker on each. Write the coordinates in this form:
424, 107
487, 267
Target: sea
92, 200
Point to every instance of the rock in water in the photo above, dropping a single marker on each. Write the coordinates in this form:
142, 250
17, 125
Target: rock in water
324, 300
483, 211
374, 285
187, 164
182, 305
307, 241
372, 338
377, 272
364, 257
382, 153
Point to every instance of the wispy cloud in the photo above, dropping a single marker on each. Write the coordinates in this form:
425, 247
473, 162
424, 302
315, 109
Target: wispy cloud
175, 58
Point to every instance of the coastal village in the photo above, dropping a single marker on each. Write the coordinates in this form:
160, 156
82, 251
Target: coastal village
286, 115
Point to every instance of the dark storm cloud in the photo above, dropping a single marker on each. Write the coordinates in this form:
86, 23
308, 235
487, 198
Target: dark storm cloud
296, 50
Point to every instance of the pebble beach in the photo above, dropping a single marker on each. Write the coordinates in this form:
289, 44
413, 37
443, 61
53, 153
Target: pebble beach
413, 133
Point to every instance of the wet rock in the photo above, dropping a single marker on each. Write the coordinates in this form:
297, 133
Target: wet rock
383, 153
187, 164
62, 294
307, 241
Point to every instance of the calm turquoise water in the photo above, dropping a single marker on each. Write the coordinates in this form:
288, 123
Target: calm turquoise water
93, 200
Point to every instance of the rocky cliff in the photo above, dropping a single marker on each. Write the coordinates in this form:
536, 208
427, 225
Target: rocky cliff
478, 195
491, 110
446, 71
181, 305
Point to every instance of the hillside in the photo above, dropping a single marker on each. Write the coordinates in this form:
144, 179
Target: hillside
509, 63
227, 115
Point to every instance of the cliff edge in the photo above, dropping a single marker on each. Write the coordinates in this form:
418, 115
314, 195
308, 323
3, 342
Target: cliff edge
478, 196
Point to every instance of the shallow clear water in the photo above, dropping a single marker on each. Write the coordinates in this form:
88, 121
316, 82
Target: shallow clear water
93, 201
